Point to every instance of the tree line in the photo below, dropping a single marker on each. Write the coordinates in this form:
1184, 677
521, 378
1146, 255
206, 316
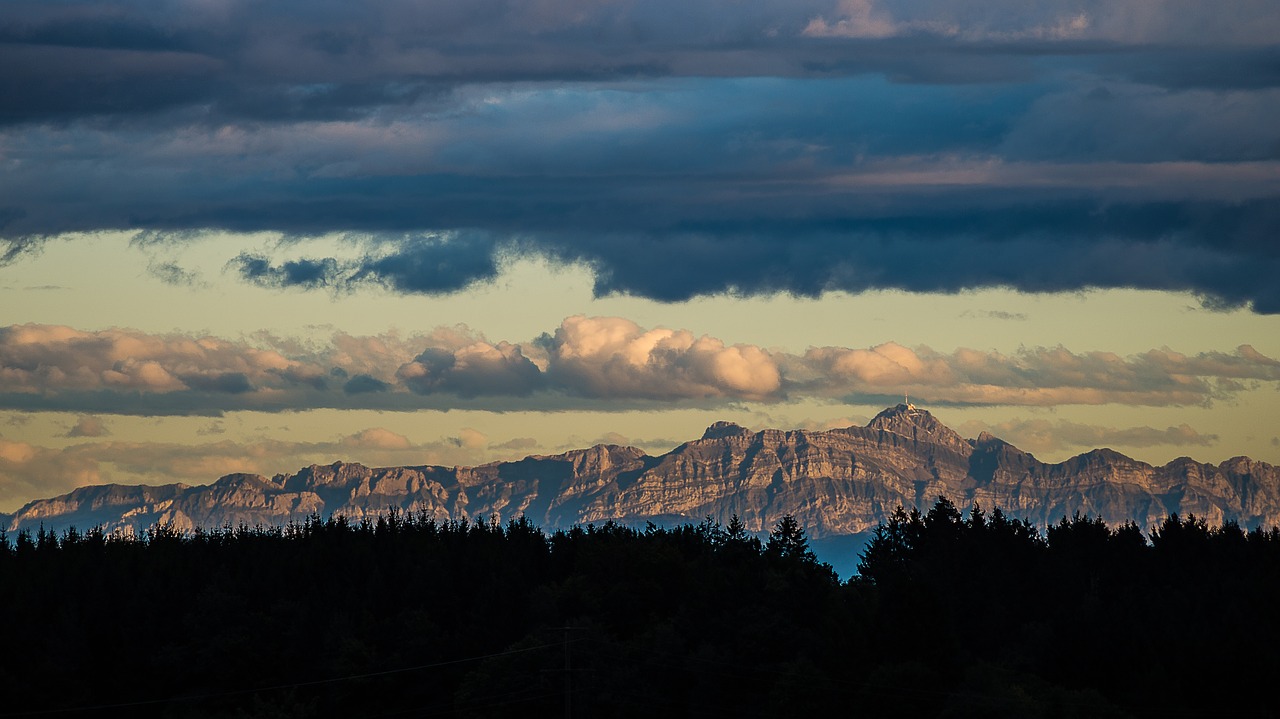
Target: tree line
951, 614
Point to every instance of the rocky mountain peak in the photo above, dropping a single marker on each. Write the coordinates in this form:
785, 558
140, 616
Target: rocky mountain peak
910, 421
722, 429
840, 482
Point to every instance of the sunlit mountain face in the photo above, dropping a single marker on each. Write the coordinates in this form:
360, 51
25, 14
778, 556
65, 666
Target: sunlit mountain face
840, 485
248, 238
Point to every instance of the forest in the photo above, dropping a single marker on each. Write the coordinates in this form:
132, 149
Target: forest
951, 614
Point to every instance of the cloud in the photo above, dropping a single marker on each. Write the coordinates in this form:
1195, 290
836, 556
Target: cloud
1122, 21
294, 60
28, 471
614, 357
1042, 376
857, 18
612, 438
377, 438
363, 383
476, 369
518, 443
996, 315
471, 438
823, 425
171, 273
1041, 435
868, 19
294, 273
799, 146
213, 428
607, 363
39, 357
88, 426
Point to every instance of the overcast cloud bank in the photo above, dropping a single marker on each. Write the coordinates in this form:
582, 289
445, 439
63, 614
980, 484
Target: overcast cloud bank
677, 149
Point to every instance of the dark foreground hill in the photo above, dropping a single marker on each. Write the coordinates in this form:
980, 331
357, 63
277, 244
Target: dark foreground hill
837, 483
952, 616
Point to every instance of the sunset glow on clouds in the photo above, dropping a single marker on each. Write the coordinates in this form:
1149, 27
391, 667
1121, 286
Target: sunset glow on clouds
211, 209
586, 361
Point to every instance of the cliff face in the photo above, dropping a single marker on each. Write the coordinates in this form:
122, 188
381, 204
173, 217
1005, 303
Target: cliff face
838, 482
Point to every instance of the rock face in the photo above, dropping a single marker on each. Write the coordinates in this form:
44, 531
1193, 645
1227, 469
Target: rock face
836, 483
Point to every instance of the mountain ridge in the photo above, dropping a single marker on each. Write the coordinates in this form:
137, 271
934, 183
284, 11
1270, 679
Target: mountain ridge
838, 482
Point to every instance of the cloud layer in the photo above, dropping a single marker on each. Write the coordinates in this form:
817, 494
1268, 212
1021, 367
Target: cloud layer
676, 148
30, 471
585, 363
1041, 435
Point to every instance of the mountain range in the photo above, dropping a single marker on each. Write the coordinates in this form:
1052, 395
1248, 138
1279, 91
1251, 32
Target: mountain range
838, 483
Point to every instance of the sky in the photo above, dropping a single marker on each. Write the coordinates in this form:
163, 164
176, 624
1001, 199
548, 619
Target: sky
245, 236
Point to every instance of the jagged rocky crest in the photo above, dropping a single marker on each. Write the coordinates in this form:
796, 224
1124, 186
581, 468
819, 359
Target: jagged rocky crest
836, 482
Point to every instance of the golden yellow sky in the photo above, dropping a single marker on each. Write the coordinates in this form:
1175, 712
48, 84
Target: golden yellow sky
93, 283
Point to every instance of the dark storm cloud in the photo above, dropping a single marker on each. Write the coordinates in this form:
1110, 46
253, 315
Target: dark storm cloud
224, 382
1227, 251
676, 148
435, 264
1210, 68
294, 60
363, 383
294, 273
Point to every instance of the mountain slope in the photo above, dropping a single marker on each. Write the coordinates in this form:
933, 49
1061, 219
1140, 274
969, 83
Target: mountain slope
836, 483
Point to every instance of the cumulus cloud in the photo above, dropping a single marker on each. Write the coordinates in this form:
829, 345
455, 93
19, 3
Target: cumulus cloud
377, 438
477, 369
471, 438
88, 426
47, 357
615, 357
587, 362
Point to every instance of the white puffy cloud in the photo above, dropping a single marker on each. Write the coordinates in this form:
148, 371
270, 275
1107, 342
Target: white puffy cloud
471, 438
615, 357
886, 365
